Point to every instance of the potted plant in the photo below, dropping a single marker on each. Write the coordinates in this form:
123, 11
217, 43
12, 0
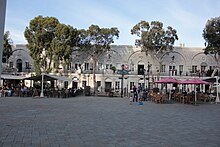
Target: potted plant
113, 68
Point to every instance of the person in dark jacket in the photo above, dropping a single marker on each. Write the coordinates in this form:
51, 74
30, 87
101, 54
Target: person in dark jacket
135, 94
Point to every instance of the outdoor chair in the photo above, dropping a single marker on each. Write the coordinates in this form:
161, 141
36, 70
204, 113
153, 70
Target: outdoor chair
158, 98
205, 98
164, 98
212, 98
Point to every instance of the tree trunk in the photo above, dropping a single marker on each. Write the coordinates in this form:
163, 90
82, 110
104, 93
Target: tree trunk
217, 66
50, 61
94, 76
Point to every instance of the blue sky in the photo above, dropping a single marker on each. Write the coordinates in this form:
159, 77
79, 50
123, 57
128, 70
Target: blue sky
188, 17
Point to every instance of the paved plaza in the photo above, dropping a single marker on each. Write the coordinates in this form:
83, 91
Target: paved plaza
106, 122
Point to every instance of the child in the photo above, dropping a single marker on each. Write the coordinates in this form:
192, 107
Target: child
131, 99
140, 101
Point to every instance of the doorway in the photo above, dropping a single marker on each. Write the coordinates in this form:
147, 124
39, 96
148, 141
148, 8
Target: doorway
19, 65
74, 85
140, 69
108, 86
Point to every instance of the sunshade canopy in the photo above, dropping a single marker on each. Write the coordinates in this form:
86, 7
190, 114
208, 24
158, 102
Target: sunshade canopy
167, 80
211, 80
48, 77
12, 77
39, 78
193, 81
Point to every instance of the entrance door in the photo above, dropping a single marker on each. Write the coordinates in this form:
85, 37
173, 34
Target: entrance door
74, 85
140, 69
108, 86
19, 65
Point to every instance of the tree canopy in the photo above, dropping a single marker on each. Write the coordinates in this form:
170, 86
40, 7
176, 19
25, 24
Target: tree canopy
49, 41
153, 37
211, 34
66, 37
7, 51
96, 41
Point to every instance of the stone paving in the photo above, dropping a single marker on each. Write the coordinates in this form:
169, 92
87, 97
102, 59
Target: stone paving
106, 122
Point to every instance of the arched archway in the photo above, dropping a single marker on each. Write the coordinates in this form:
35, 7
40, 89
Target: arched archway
174, 63
19, 65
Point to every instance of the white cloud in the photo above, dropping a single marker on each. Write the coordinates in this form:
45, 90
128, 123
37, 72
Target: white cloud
16, 35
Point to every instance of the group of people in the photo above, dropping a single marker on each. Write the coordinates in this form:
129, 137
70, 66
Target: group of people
7, 91
138, 94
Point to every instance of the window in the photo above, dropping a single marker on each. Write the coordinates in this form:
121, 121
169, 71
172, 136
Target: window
98, 83
108, 66
65, 84
194, 69
131, 85
84, 84
117, 85
180, 69
27, 65
132, 67
203, 68
163, 68
99, 66
172, 70
76, 66
11, 64
86, 66
171, 67
69, 66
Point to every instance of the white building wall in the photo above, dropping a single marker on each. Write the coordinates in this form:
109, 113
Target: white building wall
127, 55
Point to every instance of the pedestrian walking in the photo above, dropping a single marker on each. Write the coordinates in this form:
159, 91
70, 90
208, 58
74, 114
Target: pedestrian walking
135, 94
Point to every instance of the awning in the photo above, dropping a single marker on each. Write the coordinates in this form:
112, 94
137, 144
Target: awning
212, 80
39, 78
48, 77
61, 78
12, 77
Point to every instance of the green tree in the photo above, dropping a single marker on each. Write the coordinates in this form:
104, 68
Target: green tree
7, 51
66, 38
153, 37
39, 35
95, 41
211, 34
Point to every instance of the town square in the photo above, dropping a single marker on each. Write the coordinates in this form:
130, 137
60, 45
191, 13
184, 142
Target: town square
103, 121
116, 73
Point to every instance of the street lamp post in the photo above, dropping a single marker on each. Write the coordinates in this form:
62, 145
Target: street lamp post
122, 79
144, 79
122, 72
217, 85
42, 86
2, 25
148, 74
88, 78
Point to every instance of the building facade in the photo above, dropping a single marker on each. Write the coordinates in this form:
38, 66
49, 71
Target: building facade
124, 63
